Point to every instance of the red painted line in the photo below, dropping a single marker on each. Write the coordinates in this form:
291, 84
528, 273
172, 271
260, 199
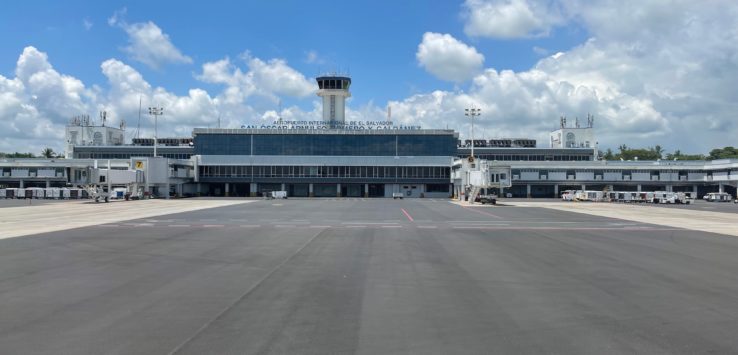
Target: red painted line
482, 212
407, 215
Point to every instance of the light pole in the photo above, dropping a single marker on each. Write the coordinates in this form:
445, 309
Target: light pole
471, 113
156, 112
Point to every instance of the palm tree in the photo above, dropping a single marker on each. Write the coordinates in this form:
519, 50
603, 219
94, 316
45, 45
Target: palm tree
659, 151
48, 153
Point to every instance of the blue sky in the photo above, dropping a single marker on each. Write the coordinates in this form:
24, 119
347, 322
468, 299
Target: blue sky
376, 41
655, 72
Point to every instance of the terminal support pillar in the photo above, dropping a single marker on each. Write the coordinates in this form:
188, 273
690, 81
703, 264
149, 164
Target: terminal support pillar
168, 187
584, 187
199, 188
366, 190
638, 188
283, 187
556, 191
48, 184
21, 184
669, 188
227, 188
252, 189
721, 188
694, 191
527, 190
311, 193
338, 190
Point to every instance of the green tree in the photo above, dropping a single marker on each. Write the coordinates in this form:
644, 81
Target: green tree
608, 155
48, 153
17, 155
658, 151
677, 155
724, 153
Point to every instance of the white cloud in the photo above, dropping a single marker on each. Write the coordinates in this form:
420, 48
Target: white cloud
661, 74
510, 18
540, 50
312, 57
37, 103
448, 58
147, 43
87, 24
269, 79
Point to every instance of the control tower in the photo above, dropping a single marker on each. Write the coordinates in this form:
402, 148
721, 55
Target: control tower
334, 90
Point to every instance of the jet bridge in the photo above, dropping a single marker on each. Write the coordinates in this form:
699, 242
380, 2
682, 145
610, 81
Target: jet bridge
472, 176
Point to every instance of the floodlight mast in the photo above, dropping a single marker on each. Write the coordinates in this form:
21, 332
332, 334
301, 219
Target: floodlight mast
156, 112
472, 113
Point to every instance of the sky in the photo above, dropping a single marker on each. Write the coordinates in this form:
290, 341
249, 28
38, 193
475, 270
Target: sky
651, 72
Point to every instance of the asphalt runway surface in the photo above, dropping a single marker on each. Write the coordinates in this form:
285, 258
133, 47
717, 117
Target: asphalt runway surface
332, 276
702, 205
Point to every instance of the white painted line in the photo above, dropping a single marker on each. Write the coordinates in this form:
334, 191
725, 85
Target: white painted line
369, 223
212, 225
355, 226
144, 224
391, 226
178, 225
285, 226
428, 227
319, 227
471, 225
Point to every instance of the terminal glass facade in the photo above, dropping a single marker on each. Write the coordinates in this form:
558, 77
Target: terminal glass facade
358, 172
326, 144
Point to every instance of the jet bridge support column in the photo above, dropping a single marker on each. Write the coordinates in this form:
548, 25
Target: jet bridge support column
694, 192
253, 188
227, 188
527, 190
721, 188
556, 190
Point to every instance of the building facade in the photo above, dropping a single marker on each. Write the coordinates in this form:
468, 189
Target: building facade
324, 163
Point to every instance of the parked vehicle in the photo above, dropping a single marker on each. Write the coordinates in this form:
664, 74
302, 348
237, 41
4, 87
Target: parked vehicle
718, 197
567, 195
484, 199
279, 194
396, 195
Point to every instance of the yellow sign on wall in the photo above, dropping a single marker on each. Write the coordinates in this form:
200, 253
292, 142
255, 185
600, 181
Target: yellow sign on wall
139, 165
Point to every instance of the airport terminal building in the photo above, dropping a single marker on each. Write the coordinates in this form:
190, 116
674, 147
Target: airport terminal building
324, 163
333, 157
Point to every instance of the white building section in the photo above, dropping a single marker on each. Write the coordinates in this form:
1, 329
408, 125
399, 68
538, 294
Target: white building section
574, 136
473, 176
82, 132
334, 90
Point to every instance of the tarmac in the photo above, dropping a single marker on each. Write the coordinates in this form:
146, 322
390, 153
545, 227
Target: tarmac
366, 276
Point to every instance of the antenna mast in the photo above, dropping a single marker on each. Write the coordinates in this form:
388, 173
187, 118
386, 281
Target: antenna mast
138, 126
